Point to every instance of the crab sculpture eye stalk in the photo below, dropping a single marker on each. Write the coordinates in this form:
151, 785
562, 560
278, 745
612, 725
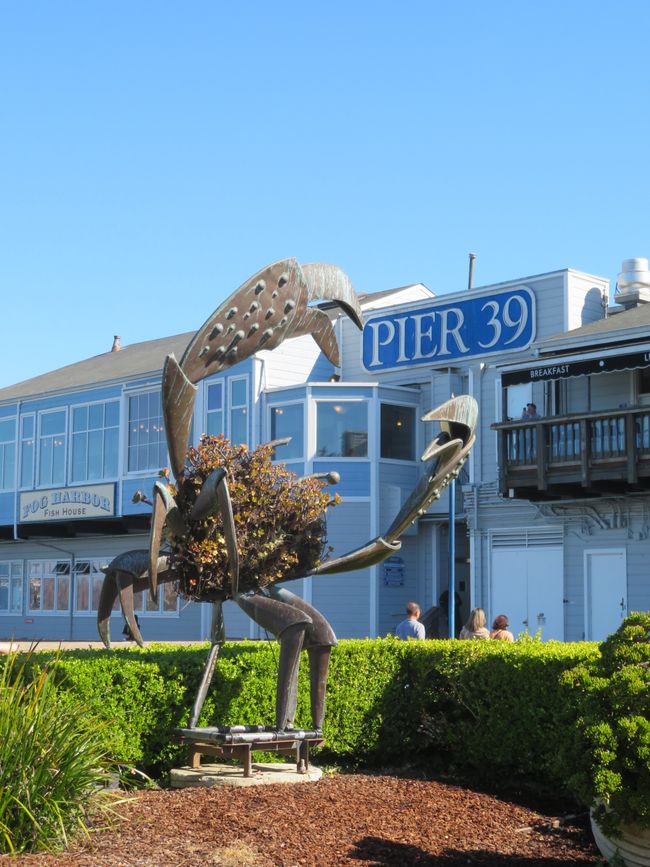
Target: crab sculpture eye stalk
201, 523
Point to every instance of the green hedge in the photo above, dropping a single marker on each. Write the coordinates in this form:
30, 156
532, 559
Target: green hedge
488, 711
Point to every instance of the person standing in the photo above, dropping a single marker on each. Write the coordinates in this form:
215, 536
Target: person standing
475, 626
411, 627
500, 629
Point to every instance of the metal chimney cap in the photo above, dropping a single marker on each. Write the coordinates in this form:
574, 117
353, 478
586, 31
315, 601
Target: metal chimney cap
633, 284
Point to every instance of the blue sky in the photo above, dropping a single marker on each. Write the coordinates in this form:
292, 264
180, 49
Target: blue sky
155, 154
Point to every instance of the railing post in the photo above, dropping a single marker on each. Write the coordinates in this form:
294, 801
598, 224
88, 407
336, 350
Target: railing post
631, 449
584, 453
502, 438
540, 436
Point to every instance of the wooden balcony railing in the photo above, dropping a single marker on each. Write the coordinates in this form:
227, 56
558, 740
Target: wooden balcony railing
587, 454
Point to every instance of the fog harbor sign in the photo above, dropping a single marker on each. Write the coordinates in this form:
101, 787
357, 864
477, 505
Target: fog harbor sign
448, 332
65, 504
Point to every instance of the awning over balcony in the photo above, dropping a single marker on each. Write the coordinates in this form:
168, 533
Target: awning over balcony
558, 368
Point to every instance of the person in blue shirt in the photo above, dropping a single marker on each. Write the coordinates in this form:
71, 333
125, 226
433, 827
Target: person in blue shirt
411, 627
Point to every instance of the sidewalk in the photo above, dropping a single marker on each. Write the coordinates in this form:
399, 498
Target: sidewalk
6, 646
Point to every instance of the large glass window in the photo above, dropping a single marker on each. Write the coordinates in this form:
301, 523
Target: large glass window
167, 601
239, 411
397, 432
27, 428
147, 446
95, 430
51, 449
214, 425
7, 452
287, 421
49, 586
342, 429
88, 580
11, 586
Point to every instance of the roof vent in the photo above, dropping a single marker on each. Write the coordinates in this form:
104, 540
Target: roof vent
116, 341
633, 284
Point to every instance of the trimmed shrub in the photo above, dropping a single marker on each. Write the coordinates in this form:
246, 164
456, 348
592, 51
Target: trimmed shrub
490, 712
52, 762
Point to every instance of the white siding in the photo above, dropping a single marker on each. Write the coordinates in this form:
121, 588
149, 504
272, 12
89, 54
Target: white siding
292, 363
585, 295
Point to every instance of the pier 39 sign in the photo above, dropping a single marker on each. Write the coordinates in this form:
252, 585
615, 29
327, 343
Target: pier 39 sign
483, 325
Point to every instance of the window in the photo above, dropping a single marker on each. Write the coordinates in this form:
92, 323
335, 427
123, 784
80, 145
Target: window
27, 423
517, 398
239, 411
49, 586
288, 421
167, 601
342, 429
88, 580
11, 586
95, 430
7, 452
147, 446
397, 432
51, 448
215, 409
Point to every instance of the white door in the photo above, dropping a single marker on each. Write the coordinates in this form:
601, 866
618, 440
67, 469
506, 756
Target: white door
509, 588
527, 585
546, 592
605, 591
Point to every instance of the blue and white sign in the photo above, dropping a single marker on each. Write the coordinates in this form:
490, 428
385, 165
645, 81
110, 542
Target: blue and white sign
444, 333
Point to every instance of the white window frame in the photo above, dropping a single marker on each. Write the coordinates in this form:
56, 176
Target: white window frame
143, 611
314, 435
127, 425
96, 562
279, 405
10, 610
22, 439
221, 382
231, 381
54, 612
227, 405
37, 476
3, 445
99, 479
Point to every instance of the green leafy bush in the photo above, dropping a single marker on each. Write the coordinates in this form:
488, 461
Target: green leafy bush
52, 761
488, 712
607, 753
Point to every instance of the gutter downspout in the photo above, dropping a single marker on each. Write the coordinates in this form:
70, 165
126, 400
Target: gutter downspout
16, 461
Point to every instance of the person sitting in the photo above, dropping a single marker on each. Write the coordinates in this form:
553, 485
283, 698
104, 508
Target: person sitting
499, 629
411, 627
475, 626
531, 411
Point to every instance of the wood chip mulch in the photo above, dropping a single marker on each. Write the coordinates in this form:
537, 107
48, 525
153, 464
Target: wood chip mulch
353, 820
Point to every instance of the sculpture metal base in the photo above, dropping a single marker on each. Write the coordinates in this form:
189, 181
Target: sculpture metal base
240, 742
263, 774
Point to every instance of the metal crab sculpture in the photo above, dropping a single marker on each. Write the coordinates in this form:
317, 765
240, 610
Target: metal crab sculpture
269, 308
